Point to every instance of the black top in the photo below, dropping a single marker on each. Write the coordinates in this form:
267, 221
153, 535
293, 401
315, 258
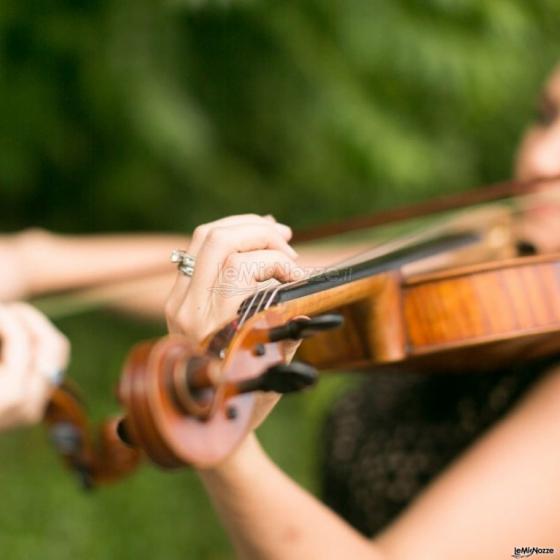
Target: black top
387, 438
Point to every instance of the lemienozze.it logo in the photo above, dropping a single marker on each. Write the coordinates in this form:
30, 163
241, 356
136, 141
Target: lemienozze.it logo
526, 551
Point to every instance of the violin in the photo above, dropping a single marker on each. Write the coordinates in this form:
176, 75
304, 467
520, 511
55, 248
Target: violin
192, 405
188, 404
95, 459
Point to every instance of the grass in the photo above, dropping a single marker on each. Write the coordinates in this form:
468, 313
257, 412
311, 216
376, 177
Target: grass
153, 514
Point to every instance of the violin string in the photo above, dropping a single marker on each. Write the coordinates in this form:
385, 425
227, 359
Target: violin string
261, 301
390, 246
363, 256
530, 202
248, 308
252, 308
89, 299
274, 293
366, 255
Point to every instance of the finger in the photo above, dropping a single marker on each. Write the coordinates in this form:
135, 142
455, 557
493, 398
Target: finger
37, 392
13, 390
247, 269
213, 304
17, 351
221, 244
15, 342
243, 271
182, 281
51, 348
202, 231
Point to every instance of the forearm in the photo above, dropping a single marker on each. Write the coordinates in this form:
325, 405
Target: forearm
35, 261
144, 297
268, 516
38, 261
12, 285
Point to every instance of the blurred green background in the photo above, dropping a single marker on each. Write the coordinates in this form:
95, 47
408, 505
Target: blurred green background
120, 115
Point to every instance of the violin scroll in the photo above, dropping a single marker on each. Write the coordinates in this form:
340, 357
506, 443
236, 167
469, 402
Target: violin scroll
95, 461
191, 405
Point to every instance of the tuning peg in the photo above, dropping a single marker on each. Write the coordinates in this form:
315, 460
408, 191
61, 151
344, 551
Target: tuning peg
281, 378
305, 327
66, 438
123, 432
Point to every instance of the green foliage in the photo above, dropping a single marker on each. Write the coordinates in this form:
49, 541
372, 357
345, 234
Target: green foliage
159, 115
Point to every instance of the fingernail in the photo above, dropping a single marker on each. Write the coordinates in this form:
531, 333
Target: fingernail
292, 252
270, 217
286, 230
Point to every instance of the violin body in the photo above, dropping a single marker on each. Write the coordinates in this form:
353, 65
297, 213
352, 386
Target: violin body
505, 311
179, 398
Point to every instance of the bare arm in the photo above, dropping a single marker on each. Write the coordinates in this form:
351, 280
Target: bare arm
37, 261
268, 516
504, 492
129, 272
32, 351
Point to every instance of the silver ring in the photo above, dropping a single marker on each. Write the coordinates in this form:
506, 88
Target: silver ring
55, 377
185, 262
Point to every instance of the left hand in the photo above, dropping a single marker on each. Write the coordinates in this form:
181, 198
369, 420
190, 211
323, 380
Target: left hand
233, 255
32, 349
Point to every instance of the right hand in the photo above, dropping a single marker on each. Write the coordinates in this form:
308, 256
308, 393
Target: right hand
32, 350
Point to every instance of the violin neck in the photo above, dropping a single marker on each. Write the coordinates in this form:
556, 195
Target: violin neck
340, 276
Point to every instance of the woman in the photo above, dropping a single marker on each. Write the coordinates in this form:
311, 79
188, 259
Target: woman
33, 355
502, 492
539, 157
405, 430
